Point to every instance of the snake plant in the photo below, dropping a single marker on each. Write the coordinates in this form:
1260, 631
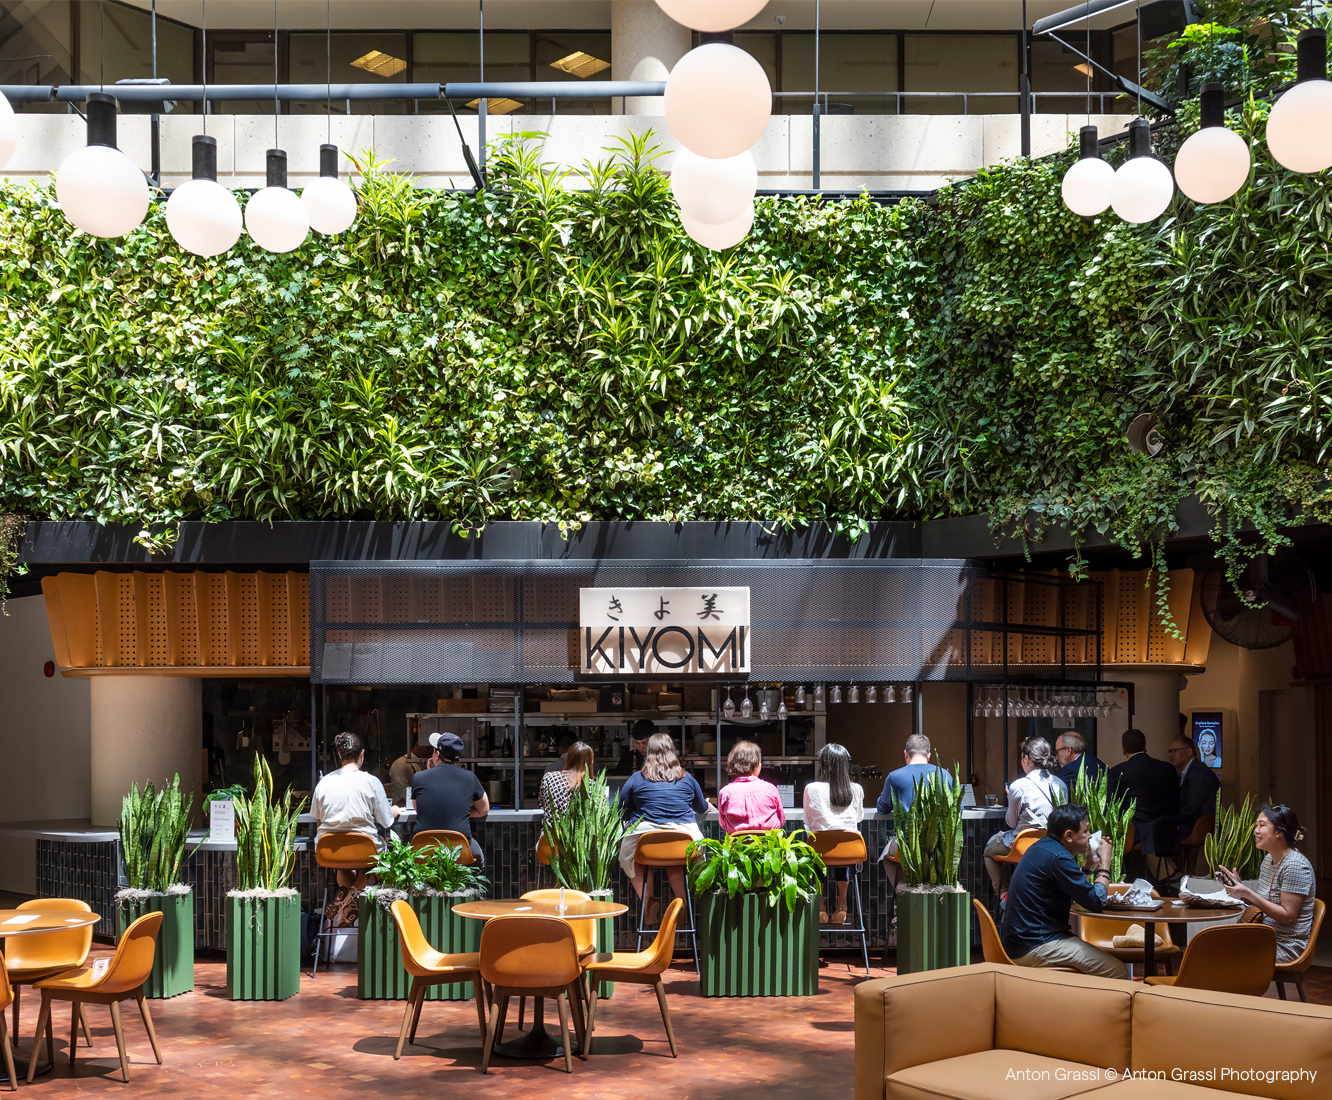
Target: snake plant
265, 830
154, 826
585, 839
1110, 813
1230, 843
773, 864
929, 832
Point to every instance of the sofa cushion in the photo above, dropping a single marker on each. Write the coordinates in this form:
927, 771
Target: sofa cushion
996, 1075
1155, 1089
1062, 1015
1194, 1031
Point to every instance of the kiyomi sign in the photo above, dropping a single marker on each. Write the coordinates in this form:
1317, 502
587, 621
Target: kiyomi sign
663, 631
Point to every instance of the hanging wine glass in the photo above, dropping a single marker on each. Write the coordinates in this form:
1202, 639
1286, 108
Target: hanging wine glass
764, 712
728, 707
746, 707
872, 694
781, 711
855, 693
977, 708
906, 693
889, 694
818, 696
800, 697
837, 693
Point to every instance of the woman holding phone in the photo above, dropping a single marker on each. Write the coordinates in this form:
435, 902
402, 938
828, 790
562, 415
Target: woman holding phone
1285, 894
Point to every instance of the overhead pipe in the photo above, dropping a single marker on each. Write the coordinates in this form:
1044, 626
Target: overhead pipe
357, 93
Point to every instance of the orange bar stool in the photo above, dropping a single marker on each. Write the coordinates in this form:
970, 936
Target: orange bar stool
1192, 844
665, 848
845, 848
340, 852
32, 958
428, 838
534, 956
1229, 958
123, 979
6, 997
1021, 842
430, 967
1294, 971
641, 967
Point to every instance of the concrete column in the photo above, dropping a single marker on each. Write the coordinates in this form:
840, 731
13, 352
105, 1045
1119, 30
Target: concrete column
144, 727
645, 45
1155, 711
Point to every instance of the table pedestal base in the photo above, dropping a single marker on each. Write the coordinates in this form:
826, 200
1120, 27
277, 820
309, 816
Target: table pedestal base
21, 1064
538, 1043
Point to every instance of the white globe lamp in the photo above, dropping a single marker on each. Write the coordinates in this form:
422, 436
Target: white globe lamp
275, 217
1299, 129
8, 131
718, 101
1214, 162
1143, 186
719, 237
712, 15
202, 215
714, 191
330, 203
1087, 183
99, 188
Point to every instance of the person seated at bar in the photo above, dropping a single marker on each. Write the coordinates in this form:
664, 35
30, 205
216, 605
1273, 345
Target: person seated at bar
448, 796
351, 801
1030, 800
1046, 883
1155, 786
902, 782
631, 759
1286, 882
563, 743
1071, 752
661, 795
402, 770
747, 802
1198, 785
557, 787
832, 801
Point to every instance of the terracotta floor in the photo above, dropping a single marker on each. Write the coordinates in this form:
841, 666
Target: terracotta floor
326, 1044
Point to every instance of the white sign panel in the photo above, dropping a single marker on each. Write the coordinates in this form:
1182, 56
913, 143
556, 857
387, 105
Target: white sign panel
222, 821
663, 631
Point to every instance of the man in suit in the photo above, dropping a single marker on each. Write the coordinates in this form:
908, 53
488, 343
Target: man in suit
1071, 751
1198, 785
1155, 785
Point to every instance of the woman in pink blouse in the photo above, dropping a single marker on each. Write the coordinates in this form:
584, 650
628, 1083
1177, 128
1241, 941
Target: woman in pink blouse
748, 803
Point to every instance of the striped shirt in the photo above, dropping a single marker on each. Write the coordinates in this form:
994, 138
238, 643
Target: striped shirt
1294, 875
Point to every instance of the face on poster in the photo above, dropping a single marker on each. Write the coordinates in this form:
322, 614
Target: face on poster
1207, 737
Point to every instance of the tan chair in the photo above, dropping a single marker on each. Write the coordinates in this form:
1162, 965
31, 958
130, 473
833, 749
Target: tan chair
45, 954
1295, 971
532, 956
544, 850
665, 848
639, 967
340, 852
1100, 932
992, 945
123, 978
6, 997
1192, 844
428, 838
1021, 842
429, 967
585, 932
845, 848
1231, 958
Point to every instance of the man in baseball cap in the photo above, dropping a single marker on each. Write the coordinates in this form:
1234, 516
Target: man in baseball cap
448, 796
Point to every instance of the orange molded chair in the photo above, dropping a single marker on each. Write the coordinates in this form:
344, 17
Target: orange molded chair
1294, 971
1021, 842
1101, 933
641, 967
340, 852
992, 947
430, 967
430, 837
532, 956
1192, 844
6, 996
1231, 958
32, 958
665, 848
845, 848
123, 979
544, 850
585, 931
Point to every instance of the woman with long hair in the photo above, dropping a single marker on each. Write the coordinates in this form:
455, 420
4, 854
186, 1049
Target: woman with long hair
557, 787
1286, 883
832, 801
660, 796
1030, 800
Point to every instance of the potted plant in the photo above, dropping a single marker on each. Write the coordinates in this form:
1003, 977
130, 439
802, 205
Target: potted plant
154, 826
758, 922
933, 911
1230, 843
431, 881
1109, 814
263, 912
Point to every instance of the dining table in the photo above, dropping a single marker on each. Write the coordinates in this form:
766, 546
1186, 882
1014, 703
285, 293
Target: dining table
28, 922
538, 1043
1170, 911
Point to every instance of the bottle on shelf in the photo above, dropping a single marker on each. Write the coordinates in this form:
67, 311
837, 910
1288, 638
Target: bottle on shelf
508, 745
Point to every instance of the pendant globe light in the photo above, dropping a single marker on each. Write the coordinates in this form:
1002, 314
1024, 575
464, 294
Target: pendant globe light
719, 237
718, 101
712, 15
274, 217
1143, 186
1299, 129
1088, 182
330, 203
714, 191
202, 215
8, 130
1214, 163
99, 188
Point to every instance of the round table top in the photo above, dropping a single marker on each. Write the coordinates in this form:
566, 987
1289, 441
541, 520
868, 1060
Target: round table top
1169, 913
22, 922
573, 910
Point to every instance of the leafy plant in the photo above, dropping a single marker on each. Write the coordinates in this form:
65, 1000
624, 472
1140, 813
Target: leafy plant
413, 871
774, 864
154, 828
265, 830
585, 839
1230, 843
929, 833
1110, 814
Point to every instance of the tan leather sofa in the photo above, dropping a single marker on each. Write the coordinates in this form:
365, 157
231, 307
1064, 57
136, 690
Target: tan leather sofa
991, 1032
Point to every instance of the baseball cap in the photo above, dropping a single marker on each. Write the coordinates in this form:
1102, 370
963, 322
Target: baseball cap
448, 744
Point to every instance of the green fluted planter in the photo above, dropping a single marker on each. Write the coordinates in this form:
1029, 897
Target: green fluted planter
605, 942
263, 948
933, 930
173, 959
380, 975
748, 948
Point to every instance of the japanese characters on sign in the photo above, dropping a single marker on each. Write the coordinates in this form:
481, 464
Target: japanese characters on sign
661, 631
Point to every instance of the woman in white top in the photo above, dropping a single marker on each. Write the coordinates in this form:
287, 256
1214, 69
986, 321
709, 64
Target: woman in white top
1030, 800
832, 801
1286, 882
351, 801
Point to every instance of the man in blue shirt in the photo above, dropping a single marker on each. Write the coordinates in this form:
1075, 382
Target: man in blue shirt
1071, 752
902, 782
1044, 887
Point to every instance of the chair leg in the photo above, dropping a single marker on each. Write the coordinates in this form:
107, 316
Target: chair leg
418, 999
148, 1025
1281, 988
579, 1017
407, 1022
1169, 962
43, 1022
83, 1023
504, 1017
1299, 986
693, 929
319, 936
120, 1041
522, 1007
479, 992
18, 993
8, 1052
73, 1031
860, 919
665, 1014
642, 910
562, 1002
496, 1007
591, 1015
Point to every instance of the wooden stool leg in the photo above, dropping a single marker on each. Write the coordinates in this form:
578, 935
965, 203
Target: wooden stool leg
562, 1002
120, 1040
665, 1015
8, 1052
148, 1025
43, 1024
83, 1023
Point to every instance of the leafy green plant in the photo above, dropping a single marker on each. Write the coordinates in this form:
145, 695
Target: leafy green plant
154, 828
414, 871
265, 830
1230, 843
775, 865
929, 833
585, 839
1109, 813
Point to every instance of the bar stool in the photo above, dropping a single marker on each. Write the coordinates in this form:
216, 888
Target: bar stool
665, 848
341, 852
428, 838
845, 848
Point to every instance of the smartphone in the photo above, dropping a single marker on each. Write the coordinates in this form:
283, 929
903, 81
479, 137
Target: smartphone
1225, 880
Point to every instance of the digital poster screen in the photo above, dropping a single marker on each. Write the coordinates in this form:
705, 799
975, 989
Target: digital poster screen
1207, 737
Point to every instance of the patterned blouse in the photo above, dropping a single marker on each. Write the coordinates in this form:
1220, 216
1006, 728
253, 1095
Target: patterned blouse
555, 792
1294, 875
